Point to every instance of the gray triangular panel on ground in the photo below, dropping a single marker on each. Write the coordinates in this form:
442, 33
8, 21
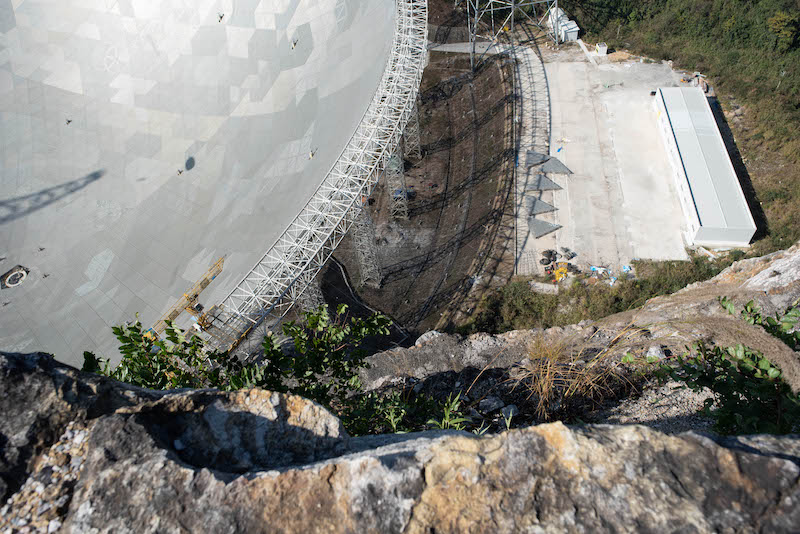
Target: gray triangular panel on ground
540, 182
541, 228
554, 166
534, 158
537, 206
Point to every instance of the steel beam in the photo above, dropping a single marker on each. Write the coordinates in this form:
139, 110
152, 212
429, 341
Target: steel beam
411, 138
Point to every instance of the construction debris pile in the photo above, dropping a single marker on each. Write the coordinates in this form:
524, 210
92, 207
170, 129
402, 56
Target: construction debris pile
559, 266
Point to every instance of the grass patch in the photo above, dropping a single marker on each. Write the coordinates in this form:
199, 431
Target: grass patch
554, 374
516, 306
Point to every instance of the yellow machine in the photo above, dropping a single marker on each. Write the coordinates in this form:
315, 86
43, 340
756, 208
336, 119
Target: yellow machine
188, 302
560, 272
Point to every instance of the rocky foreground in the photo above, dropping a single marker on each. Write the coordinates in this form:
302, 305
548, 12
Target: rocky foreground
83, 453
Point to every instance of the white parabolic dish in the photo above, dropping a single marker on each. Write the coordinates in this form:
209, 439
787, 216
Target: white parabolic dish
143, 139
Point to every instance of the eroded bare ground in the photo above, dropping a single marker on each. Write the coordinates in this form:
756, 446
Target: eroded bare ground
456, 232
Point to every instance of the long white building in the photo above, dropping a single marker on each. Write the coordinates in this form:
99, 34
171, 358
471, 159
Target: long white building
713, 203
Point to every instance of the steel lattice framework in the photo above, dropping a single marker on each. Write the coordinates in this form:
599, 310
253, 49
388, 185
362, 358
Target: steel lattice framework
492, 18
364, 238
396, 186
274, 284
411, 139
312, 298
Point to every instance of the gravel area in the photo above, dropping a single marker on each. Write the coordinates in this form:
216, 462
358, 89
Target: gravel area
670, 408
42, 502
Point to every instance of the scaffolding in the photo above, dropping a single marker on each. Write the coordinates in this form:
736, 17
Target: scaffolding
396, 187
411, 139
490, 19
282, 274
312, 298
364, 238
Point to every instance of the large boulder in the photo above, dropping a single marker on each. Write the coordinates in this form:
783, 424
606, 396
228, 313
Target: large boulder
111, 458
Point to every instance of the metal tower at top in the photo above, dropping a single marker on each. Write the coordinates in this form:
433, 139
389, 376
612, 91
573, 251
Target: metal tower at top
490, 19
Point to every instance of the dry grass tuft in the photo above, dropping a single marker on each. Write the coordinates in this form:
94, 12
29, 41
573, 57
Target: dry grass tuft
557, 371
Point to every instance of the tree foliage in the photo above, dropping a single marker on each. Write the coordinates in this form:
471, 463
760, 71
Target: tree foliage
323, 366
751, 48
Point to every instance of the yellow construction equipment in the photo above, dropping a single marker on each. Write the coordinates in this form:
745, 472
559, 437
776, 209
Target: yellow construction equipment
561, 271
188, 302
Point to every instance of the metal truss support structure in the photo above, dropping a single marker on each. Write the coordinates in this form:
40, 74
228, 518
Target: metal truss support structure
364, 238
396, 186
312, 298
282, 274
411, 139
490, 19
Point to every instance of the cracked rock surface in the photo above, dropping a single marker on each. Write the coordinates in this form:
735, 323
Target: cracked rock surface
256, 461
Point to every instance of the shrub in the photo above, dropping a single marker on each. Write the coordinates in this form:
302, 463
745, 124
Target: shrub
749, 394
323, 367
783, 326
174, 362
327, 355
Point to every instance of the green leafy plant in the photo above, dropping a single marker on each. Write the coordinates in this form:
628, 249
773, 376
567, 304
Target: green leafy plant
783, 326
326, 358
394, 415
174, 362
749, 394
323, 366
397, 412
451, 416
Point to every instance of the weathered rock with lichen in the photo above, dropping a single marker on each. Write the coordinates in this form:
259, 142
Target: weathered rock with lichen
255, 461
39, 397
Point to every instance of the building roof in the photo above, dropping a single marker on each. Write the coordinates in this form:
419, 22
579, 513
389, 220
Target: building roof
714, 186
